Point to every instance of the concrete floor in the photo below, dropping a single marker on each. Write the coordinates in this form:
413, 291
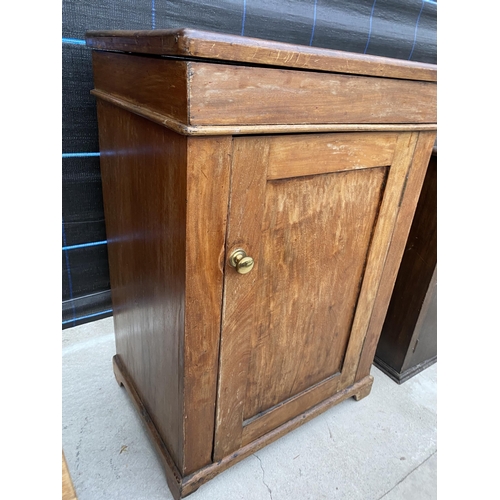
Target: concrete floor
384, 446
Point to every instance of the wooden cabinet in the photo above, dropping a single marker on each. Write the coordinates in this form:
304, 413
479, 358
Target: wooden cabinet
258, 197
408, 342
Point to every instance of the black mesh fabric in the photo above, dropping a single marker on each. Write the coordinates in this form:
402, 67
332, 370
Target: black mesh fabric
402, 29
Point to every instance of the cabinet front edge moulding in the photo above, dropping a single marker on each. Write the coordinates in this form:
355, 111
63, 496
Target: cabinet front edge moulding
196, 98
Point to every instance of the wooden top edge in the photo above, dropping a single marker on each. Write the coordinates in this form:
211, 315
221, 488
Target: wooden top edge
209, 45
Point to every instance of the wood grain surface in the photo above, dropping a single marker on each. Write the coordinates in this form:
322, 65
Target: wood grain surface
408, 202
310, 236
382, 235
194, 94
218, 46
315, 237
221, 94
208, 168
166, 252
248, 180
192, 482
143, 168
291, 155
261, 423
200, 130
155, 84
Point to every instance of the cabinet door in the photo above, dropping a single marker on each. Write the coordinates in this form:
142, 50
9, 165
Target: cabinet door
316, 213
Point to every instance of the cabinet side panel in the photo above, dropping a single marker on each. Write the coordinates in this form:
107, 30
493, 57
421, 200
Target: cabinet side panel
209, 163
423, 348
409, 201
159, 85
144, 188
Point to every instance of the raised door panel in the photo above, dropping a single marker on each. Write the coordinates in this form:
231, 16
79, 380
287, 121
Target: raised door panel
315, 237
318, 225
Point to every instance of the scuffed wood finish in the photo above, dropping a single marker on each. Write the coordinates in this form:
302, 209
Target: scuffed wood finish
144, 190
217, 363
364, 389
201, 130
378, 251
260, 424
185, 94
244, 231
156, 84
290, 156
315, 237
203, 44
414, 182
294, 97
194, 481
208, 167
292, 314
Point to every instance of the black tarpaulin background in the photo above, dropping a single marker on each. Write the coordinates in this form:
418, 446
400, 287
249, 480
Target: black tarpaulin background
402, 29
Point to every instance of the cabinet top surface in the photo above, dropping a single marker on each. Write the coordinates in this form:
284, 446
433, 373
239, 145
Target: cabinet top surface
190, 43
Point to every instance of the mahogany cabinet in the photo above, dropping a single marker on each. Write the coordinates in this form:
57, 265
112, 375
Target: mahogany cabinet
258, 196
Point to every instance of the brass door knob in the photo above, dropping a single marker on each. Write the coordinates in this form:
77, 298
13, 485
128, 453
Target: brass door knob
241, 261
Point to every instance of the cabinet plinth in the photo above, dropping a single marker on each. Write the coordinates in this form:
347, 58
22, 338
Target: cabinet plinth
256, 213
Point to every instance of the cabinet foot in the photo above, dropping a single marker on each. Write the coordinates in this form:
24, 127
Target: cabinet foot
173, 476
364, 390
117, 372
403, 376
182, 486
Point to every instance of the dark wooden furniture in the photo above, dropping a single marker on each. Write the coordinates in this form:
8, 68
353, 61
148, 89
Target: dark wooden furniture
258, 197
408, 342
